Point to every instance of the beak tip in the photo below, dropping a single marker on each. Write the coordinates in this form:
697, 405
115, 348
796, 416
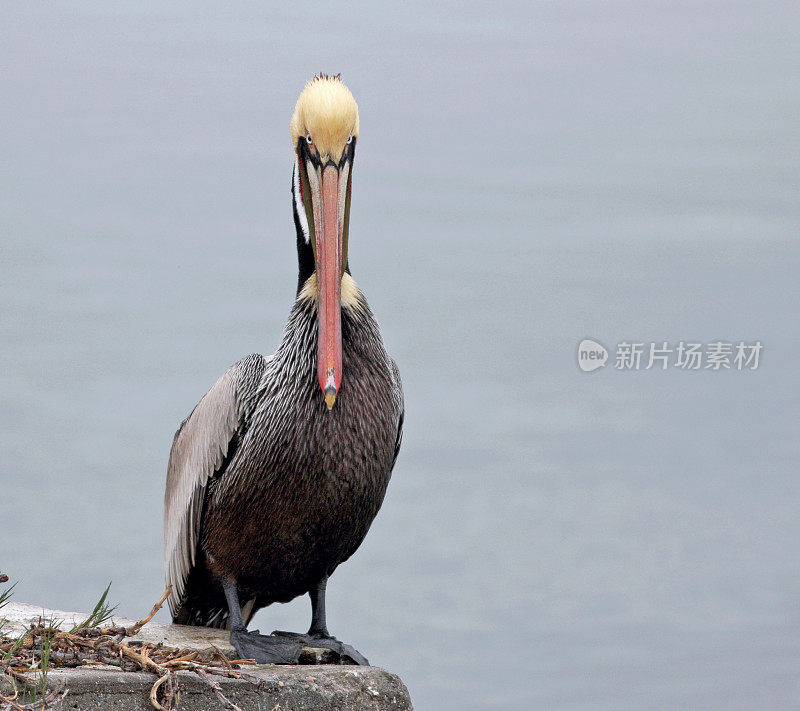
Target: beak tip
330, 397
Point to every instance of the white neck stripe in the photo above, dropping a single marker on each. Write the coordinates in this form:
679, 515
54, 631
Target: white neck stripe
299, 207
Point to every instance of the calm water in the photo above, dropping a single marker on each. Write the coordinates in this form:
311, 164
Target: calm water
526, 178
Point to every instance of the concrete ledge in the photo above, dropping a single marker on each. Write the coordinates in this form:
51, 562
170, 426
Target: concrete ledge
316, 687
299, 688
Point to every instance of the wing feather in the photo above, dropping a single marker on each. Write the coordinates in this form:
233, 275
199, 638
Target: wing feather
199, 451
397, 394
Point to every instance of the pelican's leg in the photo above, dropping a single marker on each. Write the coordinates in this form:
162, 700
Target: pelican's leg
265, 649
318, 635
319, 627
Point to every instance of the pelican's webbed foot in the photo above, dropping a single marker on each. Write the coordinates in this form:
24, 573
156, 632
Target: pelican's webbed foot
266, 649
344, 652
286, 647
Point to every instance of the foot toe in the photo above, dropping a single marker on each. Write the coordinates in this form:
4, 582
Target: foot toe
347, 654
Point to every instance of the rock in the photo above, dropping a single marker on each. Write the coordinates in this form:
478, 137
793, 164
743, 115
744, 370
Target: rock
316, 686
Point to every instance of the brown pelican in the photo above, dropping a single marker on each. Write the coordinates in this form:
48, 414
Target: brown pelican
276, 475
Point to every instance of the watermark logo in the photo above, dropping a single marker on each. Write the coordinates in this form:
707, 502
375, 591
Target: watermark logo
591, 355
684, 355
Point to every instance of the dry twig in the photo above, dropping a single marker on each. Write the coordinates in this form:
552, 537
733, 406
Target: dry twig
134, 630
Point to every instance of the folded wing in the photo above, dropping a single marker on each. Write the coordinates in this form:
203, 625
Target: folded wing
202, 447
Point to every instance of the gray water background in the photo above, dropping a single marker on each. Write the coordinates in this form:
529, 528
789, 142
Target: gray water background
528, 175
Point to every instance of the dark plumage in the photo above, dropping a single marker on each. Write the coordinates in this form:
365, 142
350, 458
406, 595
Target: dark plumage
298, 486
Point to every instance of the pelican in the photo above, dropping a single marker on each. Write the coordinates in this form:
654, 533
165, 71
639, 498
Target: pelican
277, 474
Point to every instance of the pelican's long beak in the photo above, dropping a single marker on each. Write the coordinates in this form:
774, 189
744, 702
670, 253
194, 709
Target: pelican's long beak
328, 229
324, 129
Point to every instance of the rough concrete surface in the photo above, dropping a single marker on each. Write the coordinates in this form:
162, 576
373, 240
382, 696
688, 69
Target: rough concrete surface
285, 688
297, 688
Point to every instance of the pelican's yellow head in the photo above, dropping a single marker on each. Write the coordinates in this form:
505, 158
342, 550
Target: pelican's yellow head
326, 114
324, 130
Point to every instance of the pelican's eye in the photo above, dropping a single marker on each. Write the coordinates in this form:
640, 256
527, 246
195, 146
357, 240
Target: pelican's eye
349, 139
309, 140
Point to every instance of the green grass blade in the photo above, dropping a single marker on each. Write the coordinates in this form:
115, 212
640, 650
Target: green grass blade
99, 614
